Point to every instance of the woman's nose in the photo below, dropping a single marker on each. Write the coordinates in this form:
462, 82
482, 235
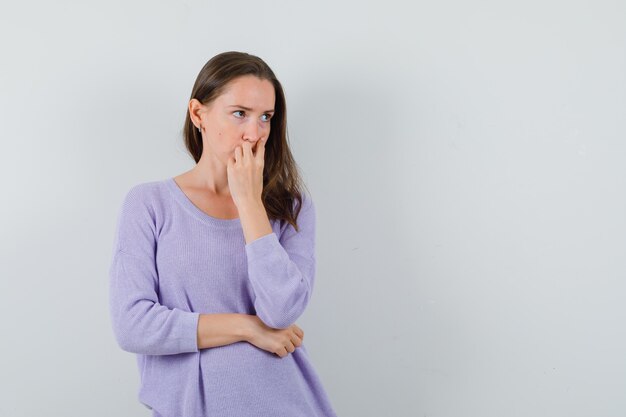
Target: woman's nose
252, 132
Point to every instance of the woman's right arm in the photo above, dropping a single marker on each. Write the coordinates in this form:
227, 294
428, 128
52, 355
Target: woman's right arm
219, 329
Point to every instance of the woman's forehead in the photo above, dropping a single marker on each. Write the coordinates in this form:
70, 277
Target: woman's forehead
249, 91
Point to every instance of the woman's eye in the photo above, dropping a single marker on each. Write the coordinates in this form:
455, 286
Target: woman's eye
240, 113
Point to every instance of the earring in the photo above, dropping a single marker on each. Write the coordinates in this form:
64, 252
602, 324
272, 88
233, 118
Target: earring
200, 130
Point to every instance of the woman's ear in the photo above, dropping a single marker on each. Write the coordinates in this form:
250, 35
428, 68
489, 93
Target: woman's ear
195, 110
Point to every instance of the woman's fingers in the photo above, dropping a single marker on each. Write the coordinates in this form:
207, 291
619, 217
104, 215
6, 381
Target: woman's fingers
298, 331
247, 150
296, 340
260, 149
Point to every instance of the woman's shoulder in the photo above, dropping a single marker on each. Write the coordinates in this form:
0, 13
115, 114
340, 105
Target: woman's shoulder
147, 189
146, 194
306, 205
304, 209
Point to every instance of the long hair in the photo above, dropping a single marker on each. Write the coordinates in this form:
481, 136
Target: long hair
282, 183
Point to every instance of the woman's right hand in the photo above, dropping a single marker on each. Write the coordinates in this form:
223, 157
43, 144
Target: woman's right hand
278, 341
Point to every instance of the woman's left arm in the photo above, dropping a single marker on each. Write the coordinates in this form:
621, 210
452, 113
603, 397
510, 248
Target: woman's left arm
280, 269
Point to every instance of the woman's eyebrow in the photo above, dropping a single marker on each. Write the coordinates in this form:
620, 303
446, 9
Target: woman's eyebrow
248, 108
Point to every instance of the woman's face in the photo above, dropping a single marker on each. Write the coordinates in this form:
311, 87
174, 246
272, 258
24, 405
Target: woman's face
242, 112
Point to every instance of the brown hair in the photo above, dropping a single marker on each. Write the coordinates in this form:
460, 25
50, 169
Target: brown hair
282, 183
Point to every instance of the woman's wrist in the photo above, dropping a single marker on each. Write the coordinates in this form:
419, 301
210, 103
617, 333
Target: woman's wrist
247, 327
219, 329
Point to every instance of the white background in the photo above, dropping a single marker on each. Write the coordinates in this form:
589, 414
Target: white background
467, 160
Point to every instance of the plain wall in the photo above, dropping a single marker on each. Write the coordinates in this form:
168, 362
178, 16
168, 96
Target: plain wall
467, 160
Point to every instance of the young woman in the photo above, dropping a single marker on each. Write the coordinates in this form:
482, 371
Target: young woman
212, 268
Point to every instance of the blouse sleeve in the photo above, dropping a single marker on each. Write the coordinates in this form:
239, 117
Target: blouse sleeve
140, 323
282, 270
